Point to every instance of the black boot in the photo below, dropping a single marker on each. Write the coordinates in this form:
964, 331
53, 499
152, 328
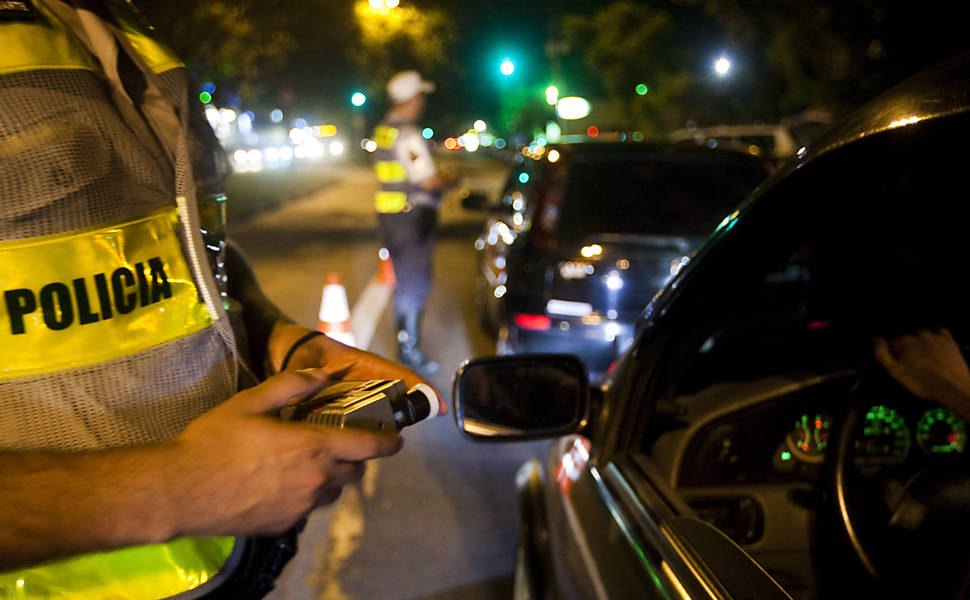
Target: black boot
409, 353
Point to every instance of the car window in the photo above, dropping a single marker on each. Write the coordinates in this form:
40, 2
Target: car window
653, 194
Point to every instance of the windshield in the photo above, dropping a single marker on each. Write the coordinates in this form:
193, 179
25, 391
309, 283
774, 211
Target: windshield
651, 194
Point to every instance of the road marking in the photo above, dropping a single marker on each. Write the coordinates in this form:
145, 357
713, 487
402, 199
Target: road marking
347, 514
367, 311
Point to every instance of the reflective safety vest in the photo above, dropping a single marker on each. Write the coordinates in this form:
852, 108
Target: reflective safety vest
112, 333
392, 177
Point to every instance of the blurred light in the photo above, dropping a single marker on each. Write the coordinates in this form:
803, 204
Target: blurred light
499, 291
517, 219
553, 131
479, 244
427, 133
358, 98
677, 264
611, 330
391, 3
592, 131
209, 87
336, 148
451, 143
328, 130
212, 115
573, 107
613, 281
553, 155
298, 136
642, 89
286, 153
377, 3
623, 264
240, 156
573, 270
541, 140
272, 154
383, 254
245, 122
254, 156
552, 95
526, 321
470, 141
722, 66
299, 123
523, 177
205, 97
507, 67
500, 143
227, 115
906, 121
479, 125
637, 136
591, 250
369, 145
754, 150
486, 139
276, 115
569, 308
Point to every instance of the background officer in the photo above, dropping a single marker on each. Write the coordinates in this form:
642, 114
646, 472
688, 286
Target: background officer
407, 200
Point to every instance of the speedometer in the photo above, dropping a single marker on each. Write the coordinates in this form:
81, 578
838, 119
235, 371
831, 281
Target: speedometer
885, 437
940, 431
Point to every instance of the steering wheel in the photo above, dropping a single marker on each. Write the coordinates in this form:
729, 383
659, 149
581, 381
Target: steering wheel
908, 525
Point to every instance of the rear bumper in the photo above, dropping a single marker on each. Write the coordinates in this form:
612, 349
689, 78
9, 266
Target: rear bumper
598, 344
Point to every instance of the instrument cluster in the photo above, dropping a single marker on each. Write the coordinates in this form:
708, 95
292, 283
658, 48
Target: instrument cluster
888, 436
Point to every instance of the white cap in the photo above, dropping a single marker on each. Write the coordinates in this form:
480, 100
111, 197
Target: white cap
406, 85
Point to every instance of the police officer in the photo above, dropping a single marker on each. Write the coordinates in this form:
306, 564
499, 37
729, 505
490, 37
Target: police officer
407, 200
136, 451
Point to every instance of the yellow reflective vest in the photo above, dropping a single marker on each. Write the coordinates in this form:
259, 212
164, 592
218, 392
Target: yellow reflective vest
112, 332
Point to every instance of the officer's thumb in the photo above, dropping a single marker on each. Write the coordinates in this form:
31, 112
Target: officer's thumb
282, 389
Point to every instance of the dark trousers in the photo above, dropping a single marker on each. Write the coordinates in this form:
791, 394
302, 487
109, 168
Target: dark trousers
409, 238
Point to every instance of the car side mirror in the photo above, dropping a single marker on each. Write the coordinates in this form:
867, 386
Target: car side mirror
474, 200
523, 396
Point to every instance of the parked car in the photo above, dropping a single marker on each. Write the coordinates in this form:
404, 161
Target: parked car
774, 143
591, 231
747, 444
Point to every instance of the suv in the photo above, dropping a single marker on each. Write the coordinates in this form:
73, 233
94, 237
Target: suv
590, 231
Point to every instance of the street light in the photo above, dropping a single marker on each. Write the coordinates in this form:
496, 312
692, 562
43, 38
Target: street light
358, 99
507, 67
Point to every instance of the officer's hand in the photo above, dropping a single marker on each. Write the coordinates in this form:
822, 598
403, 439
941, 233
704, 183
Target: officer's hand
339, 360
250, 473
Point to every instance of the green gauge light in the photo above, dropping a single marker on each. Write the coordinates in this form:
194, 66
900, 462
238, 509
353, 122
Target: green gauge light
810, 436
940, 431
885, 437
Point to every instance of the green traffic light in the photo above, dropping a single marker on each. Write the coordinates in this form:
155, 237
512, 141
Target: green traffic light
642, 89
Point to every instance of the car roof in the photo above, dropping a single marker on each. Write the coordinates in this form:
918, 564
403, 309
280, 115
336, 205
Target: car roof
593, 149
933, 94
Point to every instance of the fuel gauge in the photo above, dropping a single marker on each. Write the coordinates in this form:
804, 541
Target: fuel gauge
809, 437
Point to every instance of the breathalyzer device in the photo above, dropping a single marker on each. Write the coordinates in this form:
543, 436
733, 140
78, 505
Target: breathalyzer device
376, 405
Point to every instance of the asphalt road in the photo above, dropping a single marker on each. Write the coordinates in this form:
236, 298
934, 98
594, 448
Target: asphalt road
435, 521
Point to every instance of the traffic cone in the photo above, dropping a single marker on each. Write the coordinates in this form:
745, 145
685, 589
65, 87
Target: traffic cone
334, 318
385, 275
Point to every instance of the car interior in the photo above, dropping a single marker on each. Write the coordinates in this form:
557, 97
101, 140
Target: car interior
775, 423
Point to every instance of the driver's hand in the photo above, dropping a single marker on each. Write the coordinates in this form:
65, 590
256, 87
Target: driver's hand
929, 365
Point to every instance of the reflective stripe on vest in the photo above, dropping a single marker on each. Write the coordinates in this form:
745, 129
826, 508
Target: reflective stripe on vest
86, 297
390, 202
391, 197
155, 571
36, 45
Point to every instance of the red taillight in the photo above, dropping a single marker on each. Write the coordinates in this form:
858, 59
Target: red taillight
532, 321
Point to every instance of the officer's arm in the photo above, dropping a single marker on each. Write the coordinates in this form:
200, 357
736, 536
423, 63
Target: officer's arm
235, 470
272, 334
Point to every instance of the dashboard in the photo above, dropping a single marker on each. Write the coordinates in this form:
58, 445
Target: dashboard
786, 436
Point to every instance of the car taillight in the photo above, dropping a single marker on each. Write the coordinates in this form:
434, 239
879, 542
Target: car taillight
532, 321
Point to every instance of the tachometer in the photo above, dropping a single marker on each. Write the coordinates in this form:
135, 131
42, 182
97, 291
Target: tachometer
810, 436
940, 431
885, 437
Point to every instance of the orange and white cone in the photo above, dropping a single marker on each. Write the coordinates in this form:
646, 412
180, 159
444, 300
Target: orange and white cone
334, 318
385, 274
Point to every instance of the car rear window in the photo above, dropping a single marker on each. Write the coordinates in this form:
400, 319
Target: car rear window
654, 194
